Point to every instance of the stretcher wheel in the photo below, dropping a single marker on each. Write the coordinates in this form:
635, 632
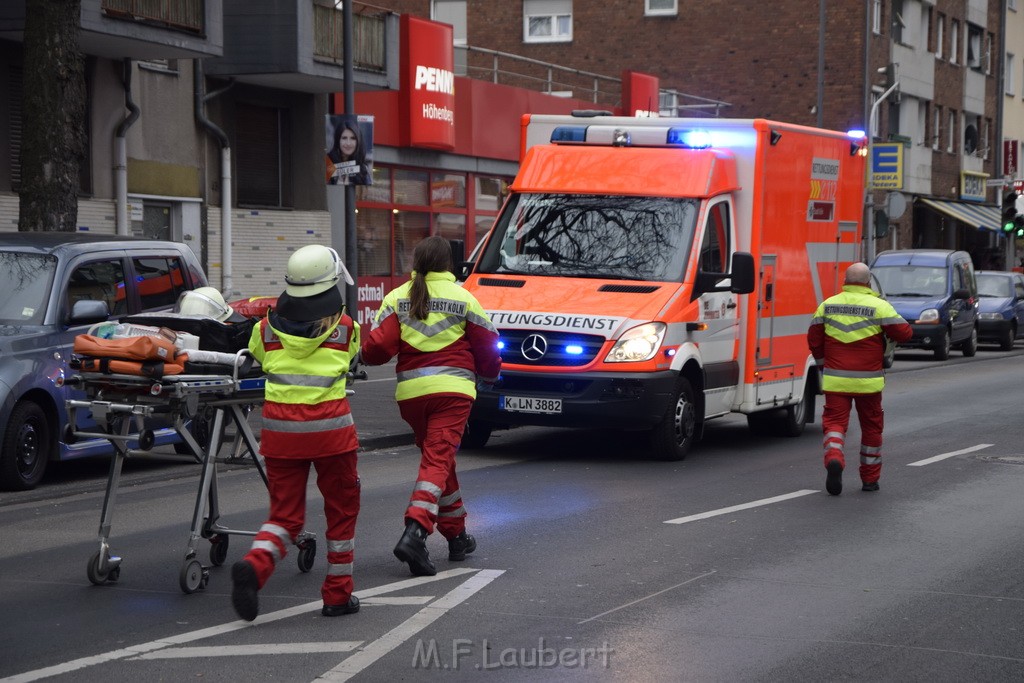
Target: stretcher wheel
98, 578
193, 576
218, 549
146, 439
307, 553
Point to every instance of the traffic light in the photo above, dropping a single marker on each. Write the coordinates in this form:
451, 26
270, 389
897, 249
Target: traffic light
1011, 219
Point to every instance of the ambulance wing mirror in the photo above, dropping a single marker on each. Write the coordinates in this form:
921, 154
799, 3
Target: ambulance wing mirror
742, 273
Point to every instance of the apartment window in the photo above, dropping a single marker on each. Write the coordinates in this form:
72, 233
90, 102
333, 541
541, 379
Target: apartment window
990, 40
876, 16
922, 123
951, 136
972, 134
451, 12
547, 21
974, 37
262, 170
661, 7
954, 41
936, 131
900, 34
986, 139
1011, 71
928, 26
940, 30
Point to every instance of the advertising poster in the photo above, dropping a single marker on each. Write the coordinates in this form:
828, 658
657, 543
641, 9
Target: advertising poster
349, 145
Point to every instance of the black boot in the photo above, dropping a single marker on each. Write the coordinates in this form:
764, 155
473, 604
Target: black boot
460, 546
350, 607
412, 548
245, 590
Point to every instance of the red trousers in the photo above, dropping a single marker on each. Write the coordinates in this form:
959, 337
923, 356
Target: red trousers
836, 418
438, 423
338, 481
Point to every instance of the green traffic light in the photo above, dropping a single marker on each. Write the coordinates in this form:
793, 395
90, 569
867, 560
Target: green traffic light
1008, 226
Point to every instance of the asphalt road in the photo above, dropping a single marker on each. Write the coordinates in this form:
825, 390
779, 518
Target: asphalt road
593, 562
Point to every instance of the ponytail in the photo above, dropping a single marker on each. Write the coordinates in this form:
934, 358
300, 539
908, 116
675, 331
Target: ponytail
431, 255
419, 297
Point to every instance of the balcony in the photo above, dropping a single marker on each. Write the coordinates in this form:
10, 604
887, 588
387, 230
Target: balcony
299, 45
137, 29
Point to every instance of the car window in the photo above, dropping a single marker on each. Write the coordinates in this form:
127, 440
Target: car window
994, 286
26, 280
160, 281
99, 281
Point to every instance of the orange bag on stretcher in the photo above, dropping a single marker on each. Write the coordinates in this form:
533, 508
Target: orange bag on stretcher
146, 356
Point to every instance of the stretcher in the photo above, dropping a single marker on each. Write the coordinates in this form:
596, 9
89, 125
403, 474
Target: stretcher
196, 405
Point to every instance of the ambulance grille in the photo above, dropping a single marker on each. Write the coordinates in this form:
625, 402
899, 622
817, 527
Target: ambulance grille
542, 347
629, 289
489, 282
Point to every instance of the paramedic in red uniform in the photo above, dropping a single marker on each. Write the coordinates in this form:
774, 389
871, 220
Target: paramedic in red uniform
847, 339
305, 345
445, 343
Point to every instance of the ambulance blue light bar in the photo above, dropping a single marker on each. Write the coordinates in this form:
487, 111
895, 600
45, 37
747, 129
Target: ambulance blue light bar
690, 138
569, 134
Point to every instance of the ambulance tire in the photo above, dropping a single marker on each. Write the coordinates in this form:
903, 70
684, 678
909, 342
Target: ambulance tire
476, 434
795, 417
675, 435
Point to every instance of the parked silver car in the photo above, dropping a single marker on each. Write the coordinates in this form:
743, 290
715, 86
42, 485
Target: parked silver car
54, 286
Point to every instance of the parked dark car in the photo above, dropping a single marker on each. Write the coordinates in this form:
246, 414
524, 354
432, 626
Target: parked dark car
56, 285
936, 292
1000, 307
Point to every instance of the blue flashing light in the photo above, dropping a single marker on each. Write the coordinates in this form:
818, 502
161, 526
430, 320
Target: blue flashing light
670, 352
501, 345
855, 133
574, 349
569, 134
689, 138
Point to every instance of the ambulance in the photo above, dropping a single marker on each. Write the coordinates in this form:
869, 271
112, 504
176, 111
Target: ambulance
651, 274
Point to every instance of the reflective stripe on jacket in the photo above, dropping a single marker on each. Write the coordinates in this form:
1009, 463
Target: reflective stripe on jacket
306, 411
443, 354
846, 339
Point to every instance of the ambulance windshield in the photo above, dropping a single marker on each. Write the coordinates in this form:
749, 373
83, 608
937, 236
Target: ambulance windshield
595, 236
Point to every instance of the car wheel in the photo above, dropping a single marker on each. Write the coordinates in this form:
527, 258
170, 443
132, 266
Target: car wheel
942, 350
970, 347
1008, 339
26, 447
476, 434
675, 435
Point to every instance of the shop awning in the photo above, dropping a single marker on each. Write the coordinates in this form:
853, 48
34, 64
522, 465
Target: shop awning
975, 215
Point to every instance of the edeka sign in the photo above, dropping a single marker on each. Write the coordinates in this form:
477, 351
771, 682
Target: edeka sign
428, 78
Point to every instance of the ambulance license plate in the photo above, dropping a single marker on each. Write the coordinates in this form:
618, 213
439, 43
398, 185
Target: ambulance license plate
527, 404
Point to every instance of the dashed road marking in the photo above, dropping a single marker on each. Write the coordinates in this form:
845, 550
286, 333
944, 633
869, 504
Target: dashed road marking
744, 506
943, 456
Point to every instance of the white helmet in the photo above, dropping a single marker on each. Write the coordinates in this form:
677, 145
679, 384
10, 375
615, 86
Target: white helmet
313, 269
204, 302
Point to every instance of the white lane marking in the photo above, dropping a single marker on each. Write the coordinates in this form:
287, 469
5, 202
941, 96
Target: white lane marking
409, 600
943, 456
744, 506
192, 636
254, 650
648, 597
410, 627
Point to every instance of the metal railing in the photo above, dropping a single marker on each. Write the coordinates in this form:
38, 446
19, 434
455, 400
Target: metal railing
532, 74
368, 35
183, 15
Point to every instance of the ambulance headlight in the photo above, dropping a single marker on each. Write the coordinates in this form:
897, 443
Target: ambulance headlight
638, 344
929, 315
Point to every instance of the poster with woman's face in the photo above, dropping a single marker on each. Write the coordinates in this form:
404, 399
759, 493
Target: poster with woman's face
349, 145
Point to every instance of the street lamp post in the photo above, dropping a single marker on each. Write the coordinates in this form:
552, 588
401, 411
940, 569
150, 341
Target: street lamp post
869, 186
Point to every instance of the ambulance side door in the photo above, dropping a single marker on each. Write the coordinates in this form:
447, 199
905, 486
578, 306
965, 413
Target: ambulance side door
718, 310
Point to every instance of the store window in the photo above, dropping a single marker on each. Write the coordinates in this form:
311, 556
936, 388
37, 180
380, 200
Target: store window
373, 241
411, 187
410, 228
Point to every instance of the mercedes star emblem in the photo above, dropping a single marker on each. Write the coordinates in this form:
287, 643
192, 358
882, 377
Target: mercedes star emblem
534, 347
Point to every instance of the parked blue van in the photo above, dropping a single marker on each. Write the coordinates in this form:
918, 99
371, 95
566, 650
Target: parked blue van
936, 292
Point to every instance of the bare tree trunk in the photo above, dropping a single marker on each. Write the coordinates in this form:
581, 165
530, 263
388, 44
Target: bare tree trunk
54, 138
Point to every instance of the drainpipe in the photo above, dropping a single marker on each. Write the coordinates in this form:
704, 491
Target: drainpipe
199, 87
121, 151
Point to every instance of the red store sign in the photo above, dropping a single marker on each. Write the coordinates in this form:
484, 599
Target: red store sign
428, 84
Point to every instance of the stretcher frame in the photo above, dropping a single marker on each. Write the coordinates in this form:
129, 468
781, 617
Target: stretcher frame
120, 402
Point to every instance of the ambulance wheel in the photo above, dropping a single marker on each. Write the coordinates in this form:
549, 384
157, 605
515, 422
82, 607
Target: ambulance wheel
476, 434
192, 576
795, 417
675, 435
146, 439
307, 554
218, 549
98, 578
